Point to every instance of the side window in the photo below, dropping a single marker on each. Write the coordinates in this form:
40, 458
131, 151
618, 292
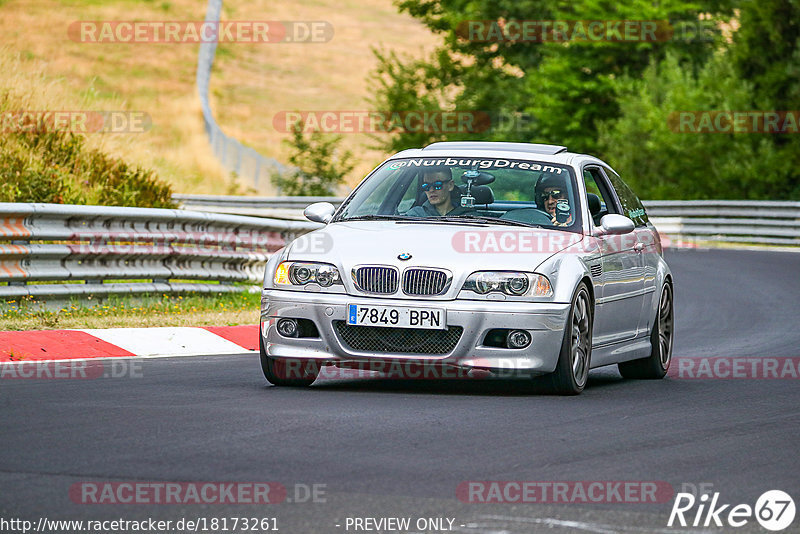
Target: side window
596, 190
631, 205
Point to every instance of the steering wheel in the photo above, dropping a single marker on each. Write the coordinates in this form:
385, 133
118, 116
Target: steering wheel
528, 215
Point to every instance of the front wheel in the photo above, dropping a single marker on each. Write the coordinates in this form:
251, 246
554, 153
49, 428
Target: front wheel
572, 369
655, 366
291, 373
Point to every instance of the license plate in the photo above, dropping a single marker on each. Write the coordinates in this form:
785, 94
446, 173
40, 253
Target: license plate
396, 316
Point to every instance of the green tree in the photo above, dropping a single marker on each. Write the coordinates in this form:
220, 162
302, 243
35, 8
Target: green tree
319, 166
563, 89
661, 160
617, 98
766, 51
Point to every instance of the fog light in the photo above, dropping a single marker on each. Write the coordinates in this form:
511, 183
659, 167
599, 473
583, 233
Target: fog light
287, 328
518, 339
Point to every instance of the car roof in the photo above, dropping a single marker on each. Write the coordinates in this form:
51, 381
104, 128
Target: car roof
534, 148
488, 149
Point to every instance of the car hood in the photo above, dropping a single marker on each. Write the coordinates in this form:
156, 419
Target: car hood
460, 248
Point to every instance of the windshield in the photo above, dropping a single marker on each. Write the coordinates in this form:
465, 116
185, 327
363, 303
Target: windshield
503, 191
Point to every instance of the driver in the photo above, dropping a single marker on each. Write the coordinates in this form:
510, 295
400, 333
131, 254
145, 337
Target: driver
442, 197
549, 191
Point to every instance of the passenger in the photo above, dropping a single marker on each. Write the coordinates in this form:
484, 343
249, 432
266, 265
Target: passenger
549, 191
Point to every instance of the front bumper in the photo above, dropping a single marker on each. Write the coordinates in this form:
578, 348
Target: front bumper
544, 321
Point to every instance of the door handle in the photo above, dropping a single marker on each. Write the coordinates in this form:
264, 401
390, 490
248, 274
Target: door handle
638, 247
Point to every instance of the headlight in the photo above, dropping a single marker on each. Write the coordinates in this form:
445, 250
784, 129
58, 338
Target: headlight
516, 284
294, 273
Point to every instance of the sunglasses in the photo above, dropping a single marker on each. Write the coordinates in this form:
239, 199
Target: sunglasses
437, 185
556, 193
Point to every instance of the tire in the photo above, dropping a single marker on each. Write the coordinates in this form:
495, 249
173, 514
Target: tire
575, 357
656, 365
278, 371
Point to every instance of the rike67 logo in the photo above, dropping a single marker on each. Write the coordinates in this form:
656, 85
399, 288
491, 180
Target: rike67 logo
774, 510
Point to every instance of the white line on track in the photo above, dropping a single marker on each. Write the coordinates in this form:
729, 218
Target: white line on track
598, 528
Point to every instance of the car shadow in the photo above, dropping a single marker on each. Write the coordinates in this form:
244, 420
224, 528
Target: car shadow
463, 386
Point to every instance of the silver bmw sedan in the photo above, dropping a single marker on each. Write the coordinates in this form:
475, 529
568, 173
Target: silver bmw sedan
473, 259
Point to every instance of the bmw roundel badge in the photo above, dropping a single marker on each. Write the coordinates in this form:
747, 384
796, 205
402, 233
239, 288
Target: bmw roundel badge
404, 256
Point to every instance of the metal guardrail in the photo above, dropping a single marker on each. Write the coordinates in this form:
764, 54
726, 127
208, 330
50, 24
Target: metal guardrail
253, 202
279, 207
737, 221
132, 250
141, 250
234, 156
734, 221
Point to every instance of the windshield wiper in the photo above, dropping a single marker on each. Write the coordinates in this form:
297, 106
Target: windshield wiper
462, 219
446, 220
380, 218
492, 220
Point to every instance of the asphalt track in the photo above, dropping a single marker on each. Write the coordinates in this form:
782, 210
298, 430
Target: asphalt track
401, 448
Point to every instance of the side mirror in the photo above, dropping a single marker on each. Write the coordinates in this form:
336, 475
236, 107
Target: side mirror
615, 224
321, 212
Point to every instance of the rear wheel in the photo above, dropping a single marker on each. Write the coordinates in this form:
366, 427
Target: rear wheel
291, 373
572, 370
655, 366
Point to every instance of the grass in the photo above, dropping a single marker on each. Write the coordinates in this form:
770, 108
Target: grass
222, 309
250, 84
58, 167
